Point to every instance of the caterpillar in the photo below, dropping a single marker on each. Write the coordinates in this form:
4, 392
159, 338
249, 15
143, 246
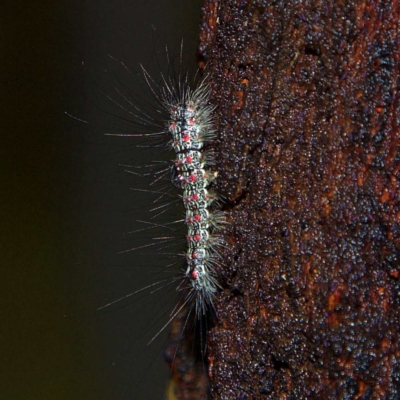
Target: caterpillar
181, 120
190, 128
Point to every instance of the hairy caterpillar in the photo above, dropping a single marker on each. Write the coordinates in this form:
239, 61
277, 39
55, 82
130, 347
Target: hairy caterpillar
190, 128
179, 119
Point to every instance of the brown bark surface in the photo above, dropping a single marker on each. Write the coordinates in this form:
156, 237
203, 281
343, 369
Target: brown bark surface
309, 161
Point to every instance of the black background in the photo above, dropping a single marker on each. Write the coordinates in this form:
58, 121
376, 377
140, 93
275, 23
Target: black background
65, 203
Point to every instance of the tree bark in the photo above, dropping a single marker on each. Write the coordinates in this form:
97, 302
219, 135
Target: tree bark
308, 155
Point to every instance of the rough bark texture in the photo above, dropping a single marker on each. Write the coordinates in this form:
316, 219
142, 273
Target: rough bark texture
309, 160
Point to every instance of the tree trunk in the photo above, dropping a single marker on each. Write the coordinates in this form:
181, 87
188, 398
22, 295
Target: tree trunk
308, 155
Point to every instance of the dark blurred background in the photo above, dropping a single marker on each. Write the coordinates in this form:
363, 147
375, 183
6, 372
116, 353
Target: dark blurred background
66, 203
